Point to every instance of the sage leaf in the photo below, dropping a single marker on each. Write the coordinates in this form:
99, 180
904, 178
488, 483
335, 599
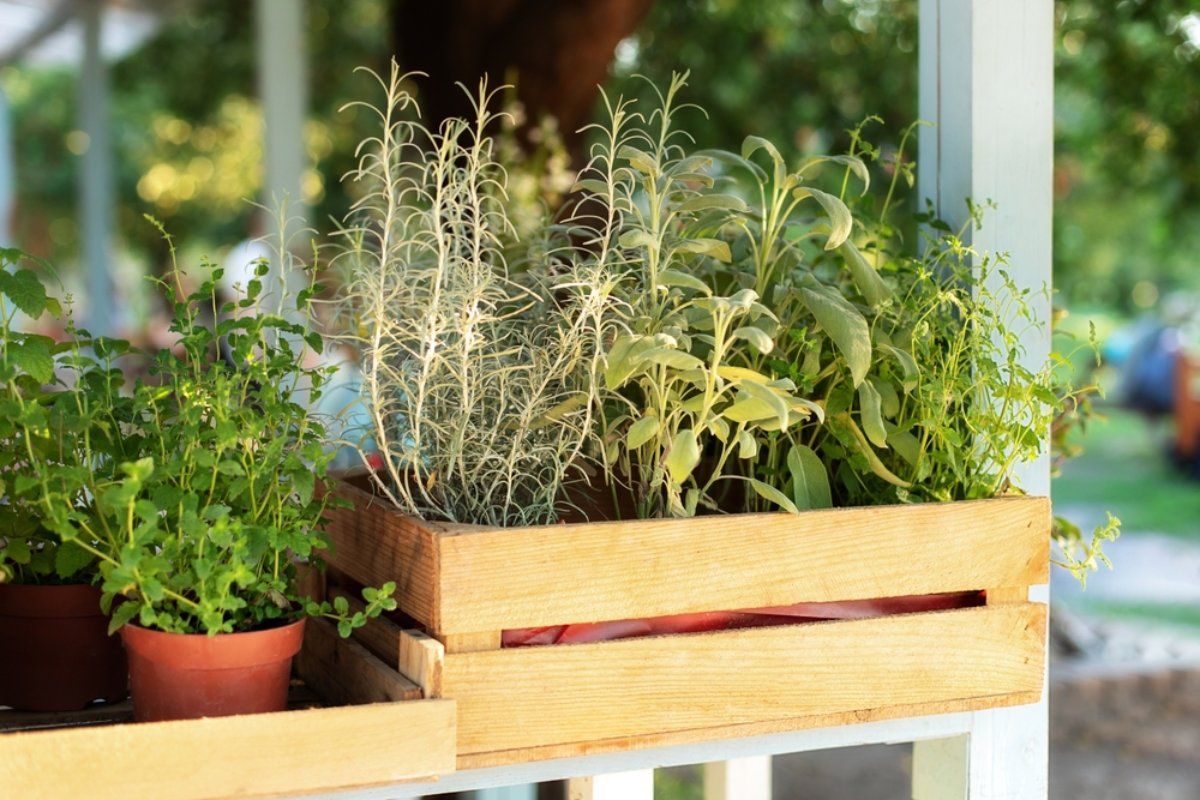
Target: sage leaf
869, 407
747, 445
638, 159
704, 202
905, 445
810, 480
908, 365
750, 409
841, 223
756, 337
641, 431
854, 163
845, 326
873, 289
708, 247
773, 495
671, 277
684, 455
864, 447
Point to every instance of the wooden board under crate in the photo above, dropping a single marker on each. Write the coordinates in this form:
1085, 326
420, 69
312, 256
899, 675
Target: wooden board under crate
384, 734
465, 584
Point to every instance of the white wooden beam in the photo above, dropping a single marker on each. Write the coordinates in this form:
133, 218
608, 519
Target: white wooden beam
283, 91
738, 779
635, 785
987, 82
97, 202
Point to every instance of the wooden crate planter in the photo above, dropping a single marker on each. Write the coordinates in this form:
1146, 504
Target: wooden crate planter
390, 735
465, 584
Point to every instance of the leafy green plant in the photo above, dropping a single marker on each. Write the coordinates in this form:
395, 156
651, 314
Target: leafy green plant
676, 407
202, 531
61, 416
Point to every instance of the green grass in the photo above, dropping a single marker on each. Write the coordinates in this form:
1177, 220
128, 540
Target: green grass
1125, 469
1183, 615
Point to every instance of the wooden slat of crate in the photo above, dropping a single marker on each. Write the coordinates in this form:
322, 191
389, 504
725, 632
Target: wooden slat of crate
570, 699
463, 579
233, 757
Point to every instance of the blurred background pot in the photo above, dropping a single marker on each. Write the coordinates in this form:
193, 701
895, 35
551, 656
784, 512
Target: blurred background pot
57, 654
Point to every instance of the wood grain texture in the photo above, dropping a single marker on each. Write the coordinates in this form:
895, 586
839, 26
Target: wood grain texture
544, 696
463, 579
500, 758
259, 755
552, 575
344, 672
373, 543
421, 660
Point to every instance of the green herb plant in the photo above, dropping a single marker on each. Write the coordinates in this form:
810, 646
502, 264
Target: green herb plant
61, 417
204, 531
677, 408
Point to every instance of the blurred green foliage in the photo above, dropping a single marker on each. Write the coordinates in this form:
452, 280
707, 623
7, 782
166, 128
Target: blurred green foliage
797, 71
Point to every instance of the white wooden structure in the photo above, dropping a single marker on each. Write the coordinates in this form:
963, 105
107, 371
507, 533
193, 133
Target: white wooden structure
986, 81
987, 84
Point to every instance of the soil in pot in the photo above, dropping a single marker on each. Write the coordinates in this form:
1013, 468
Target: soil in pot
55, 651
186, 676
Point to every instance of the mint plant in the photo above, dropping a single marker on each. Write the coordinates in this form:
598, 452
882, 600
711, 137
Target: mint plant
62, 417
203, 531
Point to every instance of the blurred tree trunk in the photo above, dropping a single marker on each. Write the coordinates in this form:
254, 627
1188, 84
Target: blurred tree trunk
556, 52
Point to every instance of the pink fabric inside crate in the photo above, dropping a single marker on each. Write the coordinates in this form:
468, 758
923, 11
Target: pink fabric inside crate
745, 618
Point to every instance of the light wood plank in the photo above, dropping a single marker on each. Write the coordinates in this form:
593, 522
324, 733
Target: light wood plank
472, 642
1007, 595
344, 672
421, 660
312, 751
720, 733
535, 697
373, 544
559, 574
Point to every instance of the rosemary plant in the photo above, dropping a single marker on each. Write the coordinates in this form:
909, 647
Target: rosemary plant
475, 370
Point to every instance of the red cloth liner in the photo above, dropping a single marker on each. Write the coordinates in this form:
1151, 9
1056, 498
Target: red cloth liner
746, 618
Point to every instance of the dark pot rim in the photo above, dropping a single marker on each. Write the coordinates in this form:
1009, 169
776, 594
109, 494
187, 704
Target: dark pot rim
49, 601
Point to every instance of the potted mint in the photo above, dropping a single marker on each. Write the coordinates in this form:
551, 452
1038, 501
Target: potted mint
58, 654
215, 517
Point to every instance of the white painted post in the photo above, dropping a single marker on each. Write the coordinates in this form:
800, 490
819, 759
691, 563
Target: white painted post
987, 82
283, 91
738, 779
96, 192
636, 785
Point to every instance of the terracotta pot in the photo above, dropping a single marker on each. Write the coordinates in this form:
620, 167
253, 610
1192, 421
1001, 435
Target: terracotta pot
189, 675
55, 651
